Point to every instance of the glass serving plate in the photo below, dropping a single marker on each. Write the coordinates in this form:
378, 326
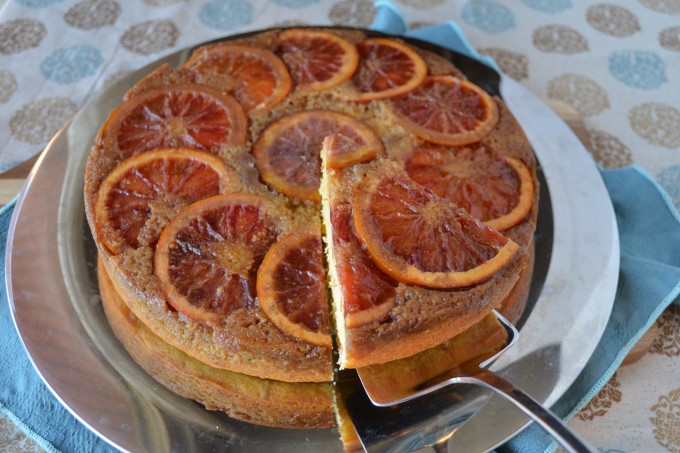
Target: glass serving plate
54, 296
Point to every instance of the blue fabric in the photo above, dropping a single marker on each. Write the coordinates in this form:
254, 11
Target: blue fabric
449, 35
649, 278
389, 18
649, 281
24, 398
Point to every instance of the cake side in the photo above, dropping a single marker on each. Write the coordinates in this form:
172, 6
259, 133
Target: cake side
336, 304
255, 400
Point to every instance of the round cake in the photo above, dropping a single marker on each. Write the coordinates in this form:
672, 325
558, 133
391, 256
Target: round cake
293, 189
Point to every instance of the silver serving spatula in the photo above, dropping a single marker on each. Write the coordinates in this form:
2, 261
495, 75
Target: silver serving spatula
394, 413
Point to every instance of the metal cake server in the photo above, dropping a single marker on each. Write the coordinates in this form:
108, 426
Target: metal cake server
403, 418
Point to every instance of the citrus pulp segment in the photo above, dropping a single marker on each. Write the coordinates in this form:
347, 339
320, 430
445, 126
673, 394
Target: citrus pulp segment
317, 60
144, 192
287, 153
387, 68
178, 116
342, 151
207, 258
495, 189
291, 288
447, 110
256, 77
368, 294
419, 238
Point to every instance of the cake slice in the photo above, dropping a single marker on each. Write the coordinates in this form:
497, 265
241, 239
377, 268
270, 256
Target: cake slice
399, 284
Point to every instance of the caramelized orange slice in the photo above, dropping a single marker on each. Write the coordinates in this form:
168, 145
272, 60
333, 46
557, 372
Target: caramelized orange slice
342, 151
287, 153
291, 288
256, 77
177, 116
498, 191
447, 110
419, 238
144, 192
207, 258
387, 68
368, 294
317, 60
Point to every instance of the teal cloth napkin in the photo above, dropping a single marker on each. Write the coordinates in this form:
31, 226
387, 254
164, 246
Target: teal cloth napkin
649, 230
24, 398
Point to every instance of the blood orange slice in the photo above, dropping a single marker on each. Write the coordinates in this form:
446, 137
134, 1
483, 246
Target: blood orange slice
419, 238
144, 192
368, 294
287, 153
497, 190
291, 288
317, 60
447, 110
256, 77
342, 151
207, 258
387, 68
179, 116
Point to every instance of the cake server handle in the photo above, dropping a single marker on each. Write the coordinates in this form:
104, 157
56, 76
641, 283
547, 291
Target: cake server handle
544, 417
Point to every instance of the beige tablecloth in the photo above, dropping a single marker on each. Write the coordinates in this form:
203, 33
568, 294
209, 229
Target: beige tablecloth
618, 66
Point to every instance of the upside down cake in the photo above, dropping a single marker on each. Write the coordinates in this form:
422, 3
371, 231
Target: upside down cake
294, 186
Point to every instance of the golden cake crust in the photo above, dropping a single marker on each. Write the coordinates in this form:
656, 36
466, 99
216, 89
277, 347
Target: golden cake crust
515, 303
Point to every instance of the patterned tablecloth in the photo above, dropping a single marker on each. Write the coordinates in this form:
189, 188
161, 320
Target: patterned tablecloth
617, 65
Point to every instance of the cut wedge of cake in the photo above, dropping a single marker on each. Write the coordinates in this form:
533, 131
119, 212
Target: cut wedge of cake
390, 294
